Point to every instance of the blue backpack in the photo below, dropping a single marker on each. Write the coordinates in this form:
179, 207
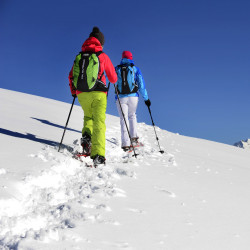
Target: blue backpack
126, 79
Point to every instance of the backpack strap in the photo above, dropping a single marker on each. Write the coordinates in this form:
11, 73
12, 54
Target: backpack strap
100, 84
99, 53
92, 52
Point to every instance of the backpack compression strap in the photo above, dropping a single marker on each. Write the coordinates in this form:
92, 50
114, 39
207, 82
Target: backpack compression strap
100, 84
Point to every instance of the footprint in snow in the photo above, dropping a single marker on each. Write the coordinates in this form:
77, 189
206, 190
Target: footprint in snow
118, 245
3, 171
170, 194
119, 192
124, 172
135, 210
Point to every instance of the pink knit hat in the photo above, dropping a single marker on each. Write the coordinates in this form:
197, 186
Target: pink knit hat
127, 54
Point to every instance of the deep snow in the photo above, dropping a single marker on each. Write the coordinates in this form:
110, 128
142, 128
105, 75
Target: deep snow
193, 197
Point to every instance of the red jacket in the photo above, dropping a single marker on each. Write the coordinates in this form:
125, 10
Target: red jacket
92, 44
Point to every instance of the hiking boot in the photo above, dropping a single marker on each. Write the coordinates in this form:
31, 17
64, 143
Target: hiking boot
135, 140
126, 148
98, 159
86, 144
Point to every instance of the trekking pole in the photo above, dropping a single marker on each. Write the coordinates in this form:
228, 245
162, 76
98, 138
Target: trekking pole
161, 151
67, 123
125, 121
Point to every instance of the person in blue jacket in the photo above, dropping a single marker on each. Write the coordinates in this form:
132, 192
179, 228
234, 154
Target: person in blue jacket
130, 82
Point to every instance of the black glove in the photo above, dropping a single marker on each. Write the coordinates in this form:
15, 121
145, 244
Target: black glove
74, 95
148, 103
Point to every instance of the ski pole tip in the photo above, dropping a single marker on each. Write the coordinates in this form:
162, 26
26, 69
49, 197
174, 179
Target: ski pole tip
135, 155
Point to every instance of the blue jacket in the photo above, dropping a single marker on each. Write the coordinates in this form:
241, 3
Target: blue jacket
138, 80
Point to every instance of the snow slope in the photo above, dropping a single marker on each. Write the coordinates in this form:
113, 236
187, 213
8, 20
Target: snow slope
193, 197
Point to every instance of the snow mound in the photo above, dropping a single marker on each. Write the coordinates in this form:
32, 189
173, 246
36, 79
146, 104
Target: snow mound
243, 144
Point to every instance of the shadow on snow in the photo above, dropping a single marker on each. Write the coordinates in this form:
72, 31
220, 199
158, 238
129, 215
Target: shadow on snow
28, 137
55, 125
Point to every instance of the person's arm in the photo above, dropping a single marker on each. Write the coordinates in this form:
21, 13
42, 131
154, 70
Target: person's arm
141, 84
71, 85
110, 70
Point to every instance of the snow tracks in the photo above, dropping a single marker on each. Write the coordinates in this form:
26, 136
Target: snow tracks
67, 194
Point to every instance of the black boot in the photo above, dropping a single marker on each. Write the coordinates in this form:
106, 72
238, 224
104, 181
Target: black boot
126, 148
135, 141
98, 159
86, 144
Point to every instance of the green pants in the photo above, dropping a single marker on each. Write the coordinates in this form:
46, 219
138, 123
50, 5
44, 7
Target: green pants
94, 106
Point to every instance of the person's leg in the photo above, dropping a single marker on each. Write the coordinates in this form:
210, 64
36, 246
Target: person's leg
99, 106
124, 133
85, 100
132, 106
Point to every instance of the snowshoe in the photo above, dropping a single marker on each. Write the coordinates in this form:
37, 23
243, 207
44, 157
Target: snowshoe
136, 143
135, 140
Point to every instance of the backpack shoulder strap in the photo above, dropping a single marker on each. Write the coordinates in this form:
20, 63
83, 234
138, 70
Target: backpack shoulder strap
91, 52
99, 53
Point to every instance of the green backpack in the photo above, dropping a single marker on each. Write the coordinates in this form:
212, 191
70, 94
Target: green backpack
85, 72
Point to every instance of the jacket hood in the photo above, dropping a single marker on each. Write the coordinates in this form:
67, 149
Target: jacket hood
126, 61
92, 44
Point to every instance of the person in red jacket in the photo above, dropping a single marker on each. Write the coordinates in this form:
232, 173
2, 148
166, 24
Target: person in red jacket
94, 103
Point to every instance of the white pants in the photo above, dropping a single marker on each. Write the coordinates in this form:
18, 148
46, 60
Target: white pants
129, 106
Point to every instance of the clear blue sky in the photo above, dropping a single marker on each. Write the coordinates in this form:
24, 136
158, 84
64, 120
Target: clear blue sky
194, 56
